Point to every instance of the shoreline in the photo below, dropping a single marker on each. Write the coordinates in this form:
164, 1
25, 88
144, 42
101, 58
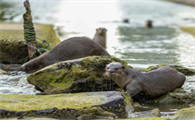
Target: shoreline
189, 29
185, 2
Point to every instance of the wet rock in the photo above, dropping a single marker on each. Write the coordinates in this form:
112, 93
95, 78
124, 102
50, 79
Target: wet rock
139, 107
109, 104
149, 118
178, 96
95, 113
9, 67
184, 70
150, 113
74, 76
184, 114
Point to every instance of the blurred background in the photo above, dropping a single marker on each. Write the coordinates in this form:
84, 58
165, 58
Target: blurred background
141, 47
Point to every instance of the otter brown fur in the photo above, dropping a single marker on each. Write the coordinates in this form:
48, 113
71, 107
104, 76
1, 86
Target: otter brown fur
155, 82
72, 48
100, 36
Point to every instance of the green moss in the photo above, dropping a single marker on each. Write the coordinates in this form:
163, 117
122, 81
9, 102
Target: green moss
61, 76
94, 112
150, 67
47, 33
149, 118
190, 30
185, 114
128, 101
38, 102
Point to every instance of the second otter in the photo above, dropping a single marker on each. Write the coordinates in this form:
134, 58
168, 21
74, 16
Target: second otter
155, 82
100, 37
72, 48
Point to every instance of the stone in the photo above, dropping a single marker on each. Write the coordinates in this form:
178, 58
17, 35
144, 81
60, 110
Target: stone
184, 70
110, 104
84, 75
184, 114
178, 96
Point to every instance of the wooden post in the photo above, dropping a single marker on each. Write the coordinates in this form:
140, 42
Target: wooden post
29, 32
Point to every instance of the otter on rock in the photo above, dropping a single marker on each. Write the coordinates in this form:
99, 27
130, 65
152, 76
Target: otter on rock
100, 36
155, 82
72, 48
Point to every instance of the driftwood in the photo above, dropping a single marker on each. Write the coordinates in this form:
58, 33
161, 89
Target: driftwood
29, 32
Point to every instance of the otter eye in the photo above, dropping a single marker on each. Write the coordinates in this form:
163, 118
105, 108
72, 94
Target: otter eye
107, 67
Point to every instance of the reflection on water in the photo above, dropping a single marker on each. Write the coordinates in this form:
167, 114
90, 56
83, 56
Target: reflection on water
160, 45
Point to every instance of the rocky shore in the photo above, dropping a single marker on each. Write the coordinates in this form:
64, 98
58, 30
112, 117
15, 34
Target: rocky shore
78, 89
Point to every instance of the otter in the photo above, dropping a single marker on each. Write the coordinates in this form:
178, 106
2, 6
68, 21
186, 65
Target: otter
149, 24
72, 48
100, 36
155, 82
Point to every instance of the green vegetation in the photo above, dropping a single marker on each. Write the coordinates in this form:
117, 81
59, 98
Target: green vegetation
13, 48
190, 30
66, 76
39, 102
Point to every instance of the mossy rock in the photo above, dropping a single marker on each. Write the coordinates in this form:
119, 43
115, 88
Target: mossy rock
178, 96
185, 114
65, 106
74, 76
184, 70
148, 118
143, 114
13, 48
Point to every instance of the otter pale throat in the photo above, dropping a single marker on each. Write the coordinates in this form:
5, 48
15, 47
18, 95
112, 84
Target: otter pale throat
100, 36
155, 82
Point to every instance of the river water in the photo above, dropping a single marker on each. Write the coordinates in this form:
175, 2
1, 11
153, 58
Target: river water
141, 47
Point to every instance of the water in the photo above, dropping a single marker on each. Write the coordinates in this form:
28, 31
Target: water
132, 42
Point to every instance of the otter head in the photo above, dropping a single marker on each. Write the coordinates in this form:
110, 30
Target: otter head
117, 73
114, 68
101, 31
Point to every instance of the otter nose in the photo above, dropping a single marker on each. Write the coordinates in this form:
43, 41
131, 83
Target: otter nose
110, 71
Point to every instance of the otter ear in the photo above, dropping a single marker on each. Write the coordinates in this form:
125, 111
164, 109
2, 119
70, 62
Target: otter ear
96, 29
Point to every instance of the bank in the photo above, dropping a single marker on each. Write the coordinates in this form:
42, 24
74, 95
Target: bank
13, 47
186, 2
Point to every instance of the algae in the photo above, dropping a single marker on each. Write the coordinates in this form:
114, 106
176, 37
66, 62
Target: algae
185, 114
148, 118
82, 75
128, 101
95, 113
39, 102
